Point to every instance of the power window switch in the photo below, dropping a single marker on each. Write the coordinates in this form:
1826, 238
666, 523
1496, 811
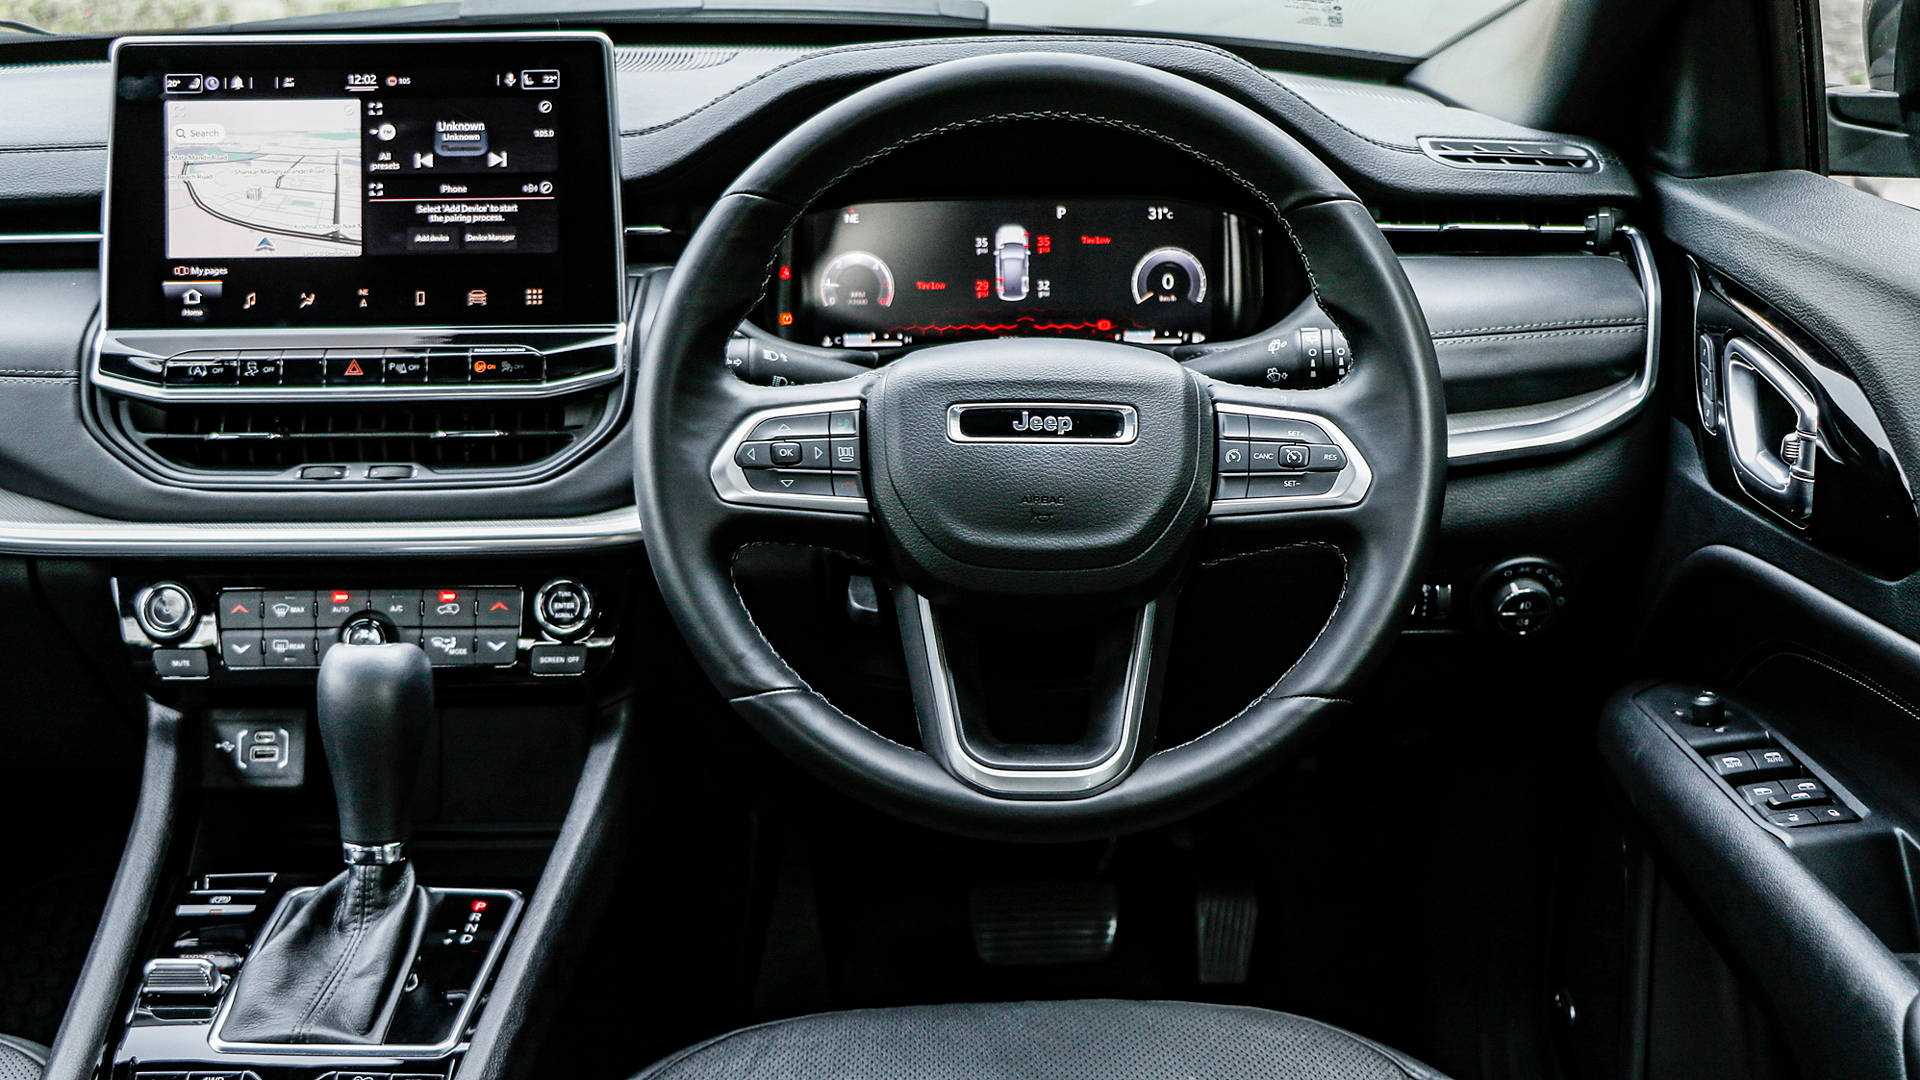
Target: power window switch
1833, 815
1762, 793
1793, 819
1773, 760
1733, 763
1792, 799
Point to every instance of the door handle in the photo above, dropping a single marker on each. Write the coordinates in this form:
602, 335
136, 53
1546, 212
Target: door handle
1773, 430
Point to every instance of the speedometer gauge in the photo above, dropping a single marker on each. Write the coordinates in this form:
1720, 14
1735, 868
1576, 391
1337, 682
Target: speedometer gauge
856, 279
1169, 275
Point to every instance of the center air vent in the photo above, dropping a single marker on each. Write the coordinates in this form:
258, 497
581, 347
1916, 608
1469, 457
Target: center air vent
466, 439
1533, 155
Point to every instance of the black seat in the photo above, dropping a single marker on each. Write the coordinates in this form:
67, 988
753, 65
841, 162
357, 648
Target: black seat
1054, 1040
20, 1059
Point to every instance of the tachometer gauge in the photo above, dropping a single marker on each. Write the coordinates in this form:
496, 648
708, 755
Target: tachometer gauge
1169, 275
856, 279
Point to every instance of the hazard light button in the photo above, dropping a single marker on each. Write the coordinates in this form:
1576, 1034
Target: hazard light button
350, 367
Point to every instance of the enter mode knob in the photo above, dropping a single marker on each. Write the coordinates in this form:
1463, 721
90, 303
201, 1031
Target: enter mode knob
563, 608
1522, 606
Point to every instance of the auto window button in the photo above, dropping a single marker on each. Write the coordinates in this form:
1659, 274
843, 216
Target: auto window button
1735, 763
1773, 760
1833, 815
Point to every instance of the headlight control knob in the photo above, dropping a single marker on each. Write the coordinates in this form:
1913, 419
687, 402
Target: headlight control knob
1523, 596
165, 610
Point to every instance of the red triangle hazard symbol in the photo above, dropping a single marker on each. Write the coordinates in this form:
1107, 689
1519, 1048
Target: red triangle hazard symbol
353, 368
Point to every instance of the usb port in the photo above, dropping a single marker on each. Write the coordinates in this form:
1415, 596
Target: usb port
267, 754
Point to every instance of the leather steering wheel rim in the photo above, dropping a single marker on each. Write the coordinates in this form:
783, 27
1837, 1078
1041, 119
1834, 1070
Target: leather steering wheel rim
1390, 405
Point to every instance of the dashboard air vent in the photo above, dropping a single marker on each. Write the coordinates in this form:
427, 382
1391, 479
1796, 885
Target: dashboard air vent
458, 436
1532, 155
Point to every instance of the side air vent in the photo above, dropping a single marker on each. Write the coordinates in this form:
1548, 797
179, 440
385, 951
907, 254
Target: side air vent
1528, 155
464, 439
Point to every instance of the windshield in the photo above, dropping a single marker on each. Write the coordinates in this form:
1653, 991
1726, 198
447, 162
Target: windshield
1413, 28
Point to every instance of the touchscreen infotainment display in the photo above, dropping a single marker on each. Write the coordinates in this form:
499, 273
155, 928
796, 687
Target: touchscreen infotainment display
451, 181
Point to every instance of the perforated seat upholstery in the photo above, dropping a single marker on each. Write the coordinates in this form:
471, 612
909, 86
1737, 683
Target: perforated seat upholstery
1043, 1040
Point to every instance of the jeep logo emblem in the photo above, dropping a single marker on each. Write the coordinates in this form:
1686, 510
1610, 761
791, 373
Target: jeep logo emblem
1008, 421
1030, 422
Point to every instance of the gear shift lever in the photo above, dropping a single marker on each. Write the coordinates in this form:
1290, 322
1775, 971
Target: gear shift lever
330, 970
375, 702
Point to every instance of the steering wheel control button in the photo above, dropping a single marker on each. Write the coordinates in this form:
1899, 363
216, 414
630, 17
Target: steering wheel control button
784, 453
846, 454
563, 608
165, 611
844, 422
803, 425
1282, 485
815, 454
1232, 425
1263, 457
180, 663
1295, 456
1230, 486
849, 485
753, 455
1284, 429
240, 648
1326, 457
447, 607
790, 482
497, 608
286, 610
557, 660
1233, 456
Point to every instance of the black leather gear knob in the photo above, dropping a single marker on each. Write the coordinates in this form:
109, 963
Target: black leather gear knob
375, 704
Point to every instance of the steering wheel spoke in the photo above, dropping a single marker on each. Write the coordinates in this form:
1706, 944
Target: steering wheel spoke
948, 672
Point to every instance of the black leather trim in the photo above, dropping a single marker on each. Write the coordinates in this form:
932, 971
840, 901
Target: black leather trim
96, 1001
560, 916
1836, 260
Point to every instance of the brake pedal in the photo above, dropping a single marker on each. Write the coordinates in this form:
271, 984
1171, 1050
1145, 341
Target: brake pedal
1034, 923
1224, 921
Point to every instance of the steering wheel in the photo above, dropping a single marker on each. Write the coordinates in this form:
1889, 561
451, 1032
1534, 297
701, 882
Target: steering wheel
1037, 472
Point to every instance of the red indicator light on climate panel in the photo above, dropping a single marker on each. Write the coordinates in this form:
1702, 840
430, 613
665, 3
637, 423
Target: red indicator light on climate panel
786, 273
341, 597
449, 596
478, 905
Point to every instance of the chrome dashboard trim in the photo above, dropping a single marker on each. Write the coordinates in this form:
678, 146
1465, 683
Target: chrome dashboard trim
103, 537
50, 238
1513, 433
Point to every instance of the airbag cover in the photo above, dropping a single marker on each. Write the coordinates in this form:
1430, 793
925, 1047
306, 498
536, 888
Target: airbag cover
1058, 502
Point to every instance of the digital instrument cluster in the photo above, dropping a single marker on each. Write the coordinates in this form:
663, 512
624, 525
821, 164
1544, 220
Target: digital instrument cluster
897, 273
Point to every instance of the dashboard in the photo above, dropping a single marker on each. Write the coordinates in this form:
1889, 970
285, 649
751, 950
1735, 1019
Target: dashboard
891, 274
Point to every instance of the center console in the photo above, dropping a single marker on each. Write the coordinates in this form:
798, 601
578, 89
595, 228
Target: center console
359, 262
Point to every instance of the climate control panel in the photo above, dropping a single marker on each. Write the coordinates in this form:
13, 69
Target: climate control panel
212, 629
